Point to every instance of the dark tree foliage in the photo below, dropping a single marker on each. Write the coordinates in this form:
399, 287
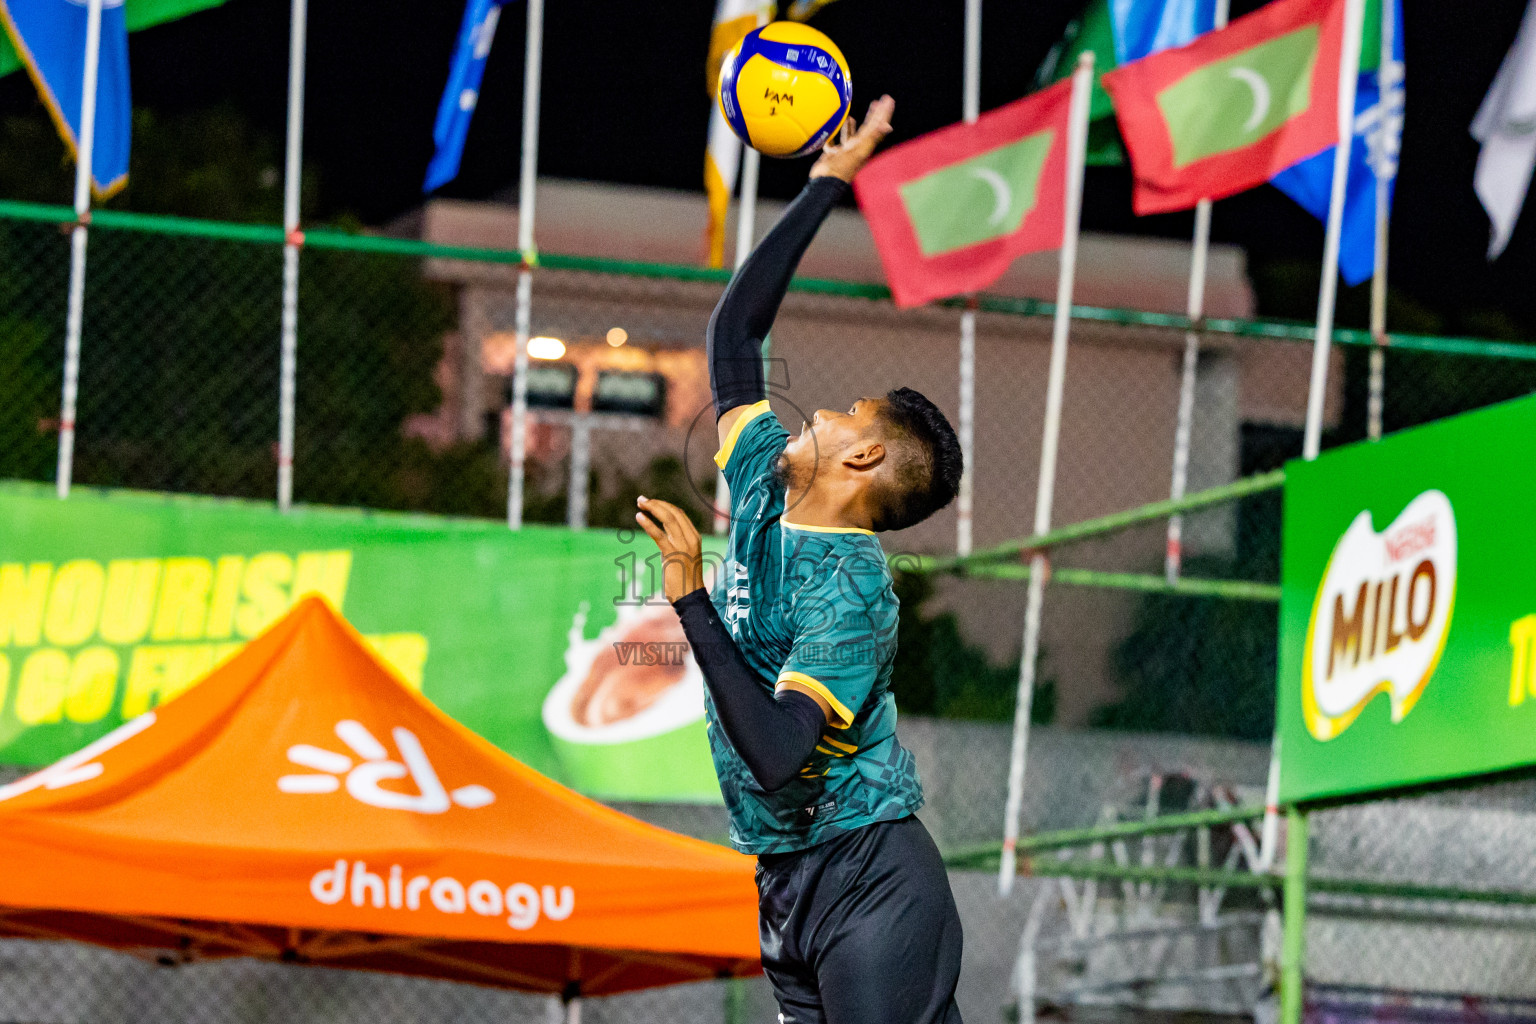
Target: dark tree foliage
664, 477
1200, 665
937, 672
1207, 665
180, 355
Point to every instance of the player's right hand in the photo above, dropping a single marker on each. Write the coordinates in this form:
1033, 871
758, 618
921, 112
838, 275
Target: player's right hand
843, 154
682, 553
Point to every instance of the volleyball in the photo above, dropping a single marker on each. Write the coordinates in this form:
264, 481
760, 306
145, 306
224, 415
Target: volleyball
785, 89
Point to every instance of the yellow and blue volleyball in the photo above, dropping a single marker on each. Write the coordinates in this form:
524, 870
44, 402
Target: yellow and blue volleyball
785, 89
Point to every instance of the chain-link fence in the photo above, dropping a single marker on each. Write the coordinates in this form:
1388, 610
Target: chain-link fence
1415, 904
964, 768
1418, 908
1448, 904
69, 983
404, 359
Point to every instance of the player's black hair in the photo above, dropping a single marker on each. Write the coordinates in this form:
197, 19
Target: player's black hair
927, 461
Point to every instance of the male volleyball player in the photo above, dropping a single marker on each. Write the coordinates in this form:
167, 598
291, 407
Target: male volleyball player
857, 921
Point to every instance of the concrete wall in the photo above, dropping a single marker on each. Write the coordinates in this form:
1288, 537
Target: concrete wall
1118, 417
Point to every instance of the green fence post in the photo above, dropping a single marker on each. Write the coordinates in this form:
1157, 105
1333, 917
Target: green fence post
735, 1001
1294, 951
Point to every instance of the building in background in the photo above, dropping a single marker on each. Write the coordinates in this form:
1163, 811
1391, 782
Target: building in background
1118, 420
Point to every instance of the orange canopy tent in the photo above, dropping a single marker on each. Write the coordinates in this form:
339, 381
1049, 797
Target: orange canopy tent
301, 804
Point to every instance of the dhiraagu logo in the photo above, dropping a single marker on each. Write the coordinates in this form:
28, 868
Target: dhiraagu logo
1381, 616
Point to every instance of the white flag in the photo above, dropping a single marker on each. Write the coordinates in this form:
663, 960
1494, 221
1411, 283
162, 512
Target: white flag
722, 156
1506, 126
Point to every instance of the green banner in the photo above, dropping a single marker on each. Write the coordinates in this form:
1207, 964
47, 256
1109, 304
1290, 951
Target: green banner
1408, 615
551, 643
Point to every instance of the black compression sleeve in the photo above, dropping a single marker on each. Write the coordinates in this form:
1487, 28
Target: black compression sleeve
774, 735
745, 312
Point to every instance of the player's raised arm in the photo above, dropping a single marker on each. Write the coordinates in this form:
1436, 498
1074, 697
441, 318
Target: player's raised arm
745, 312
774, 734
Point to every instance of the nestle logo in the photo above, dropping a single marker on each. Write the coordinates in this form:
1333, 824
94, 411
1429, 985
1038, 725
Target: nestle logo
1407, 541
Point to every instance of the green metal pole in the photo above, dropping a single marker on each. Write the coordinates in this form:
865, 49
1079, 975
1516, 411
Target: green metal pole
735, 1001
1293, 953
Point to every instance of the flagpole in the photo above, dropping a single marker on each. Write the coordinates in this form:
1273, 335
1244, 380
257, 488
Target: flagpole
532, 78
1077, 145
746, 211
1376, 402
746, 225
293, 240
1183, 436
971, 109
75, 318
1349, 73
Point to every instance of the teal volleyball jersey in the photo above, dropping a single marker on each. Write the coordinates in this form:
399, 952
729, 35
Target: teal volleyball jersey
815, 606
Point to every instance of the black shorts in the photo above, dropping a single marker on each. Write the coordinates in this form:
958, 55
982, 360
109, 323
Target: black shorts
861, 928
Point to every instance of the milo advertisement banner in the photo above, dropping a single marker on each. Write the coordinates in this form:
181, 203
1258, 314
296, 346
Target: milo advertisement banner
1408, 613
553, 644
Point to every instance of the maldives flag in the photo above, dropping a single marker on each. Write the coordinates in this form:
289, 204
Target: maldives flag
1233, 108
950, 210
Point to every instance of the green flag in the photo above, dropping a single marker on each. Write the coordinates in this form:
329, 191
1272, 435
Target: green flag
1235, 107
1090, 30
950, 211
976, 200
138, 13
1232, 103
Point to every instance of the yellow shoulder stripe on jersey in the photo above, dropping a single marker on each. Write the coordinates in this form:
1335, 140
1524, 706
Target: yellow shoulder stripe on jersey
825, 529
841, 718
751, 413
846, 747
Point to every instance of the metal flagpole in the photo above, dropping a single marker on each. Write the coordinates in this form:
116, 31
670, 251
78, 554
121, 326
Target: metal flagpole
75, 319
1183, 432
1270, 831
1349, 73
525, 194
1380, 161
293, 240
971, 107
746, 213
746, 226
1077, 144
581, 466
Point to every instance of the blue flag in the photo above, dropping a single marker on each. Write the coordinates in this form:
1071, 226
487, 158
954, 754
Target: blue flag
463, 90
1374, 149
49, 36
1143, 27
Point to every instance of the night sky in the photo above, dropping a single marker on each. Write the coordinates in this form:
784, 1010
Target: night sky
625, 101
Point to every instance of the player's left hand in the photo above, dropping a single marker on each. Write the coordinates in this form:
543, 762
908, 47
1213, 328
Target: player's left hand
842, 157
682, 553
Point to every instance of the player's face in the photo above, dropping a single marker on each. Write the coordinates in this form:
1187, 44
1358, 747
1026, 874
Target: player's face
829, 433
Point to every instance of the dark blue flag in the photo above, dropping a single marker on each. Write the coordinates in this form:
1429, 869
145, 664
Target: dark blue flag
49, 36
1143, 27
462, 91
1374, 149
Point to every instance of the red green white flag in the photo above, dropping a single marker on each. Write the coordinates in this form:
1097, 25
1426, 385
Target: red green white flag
1233, 108
950, 210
